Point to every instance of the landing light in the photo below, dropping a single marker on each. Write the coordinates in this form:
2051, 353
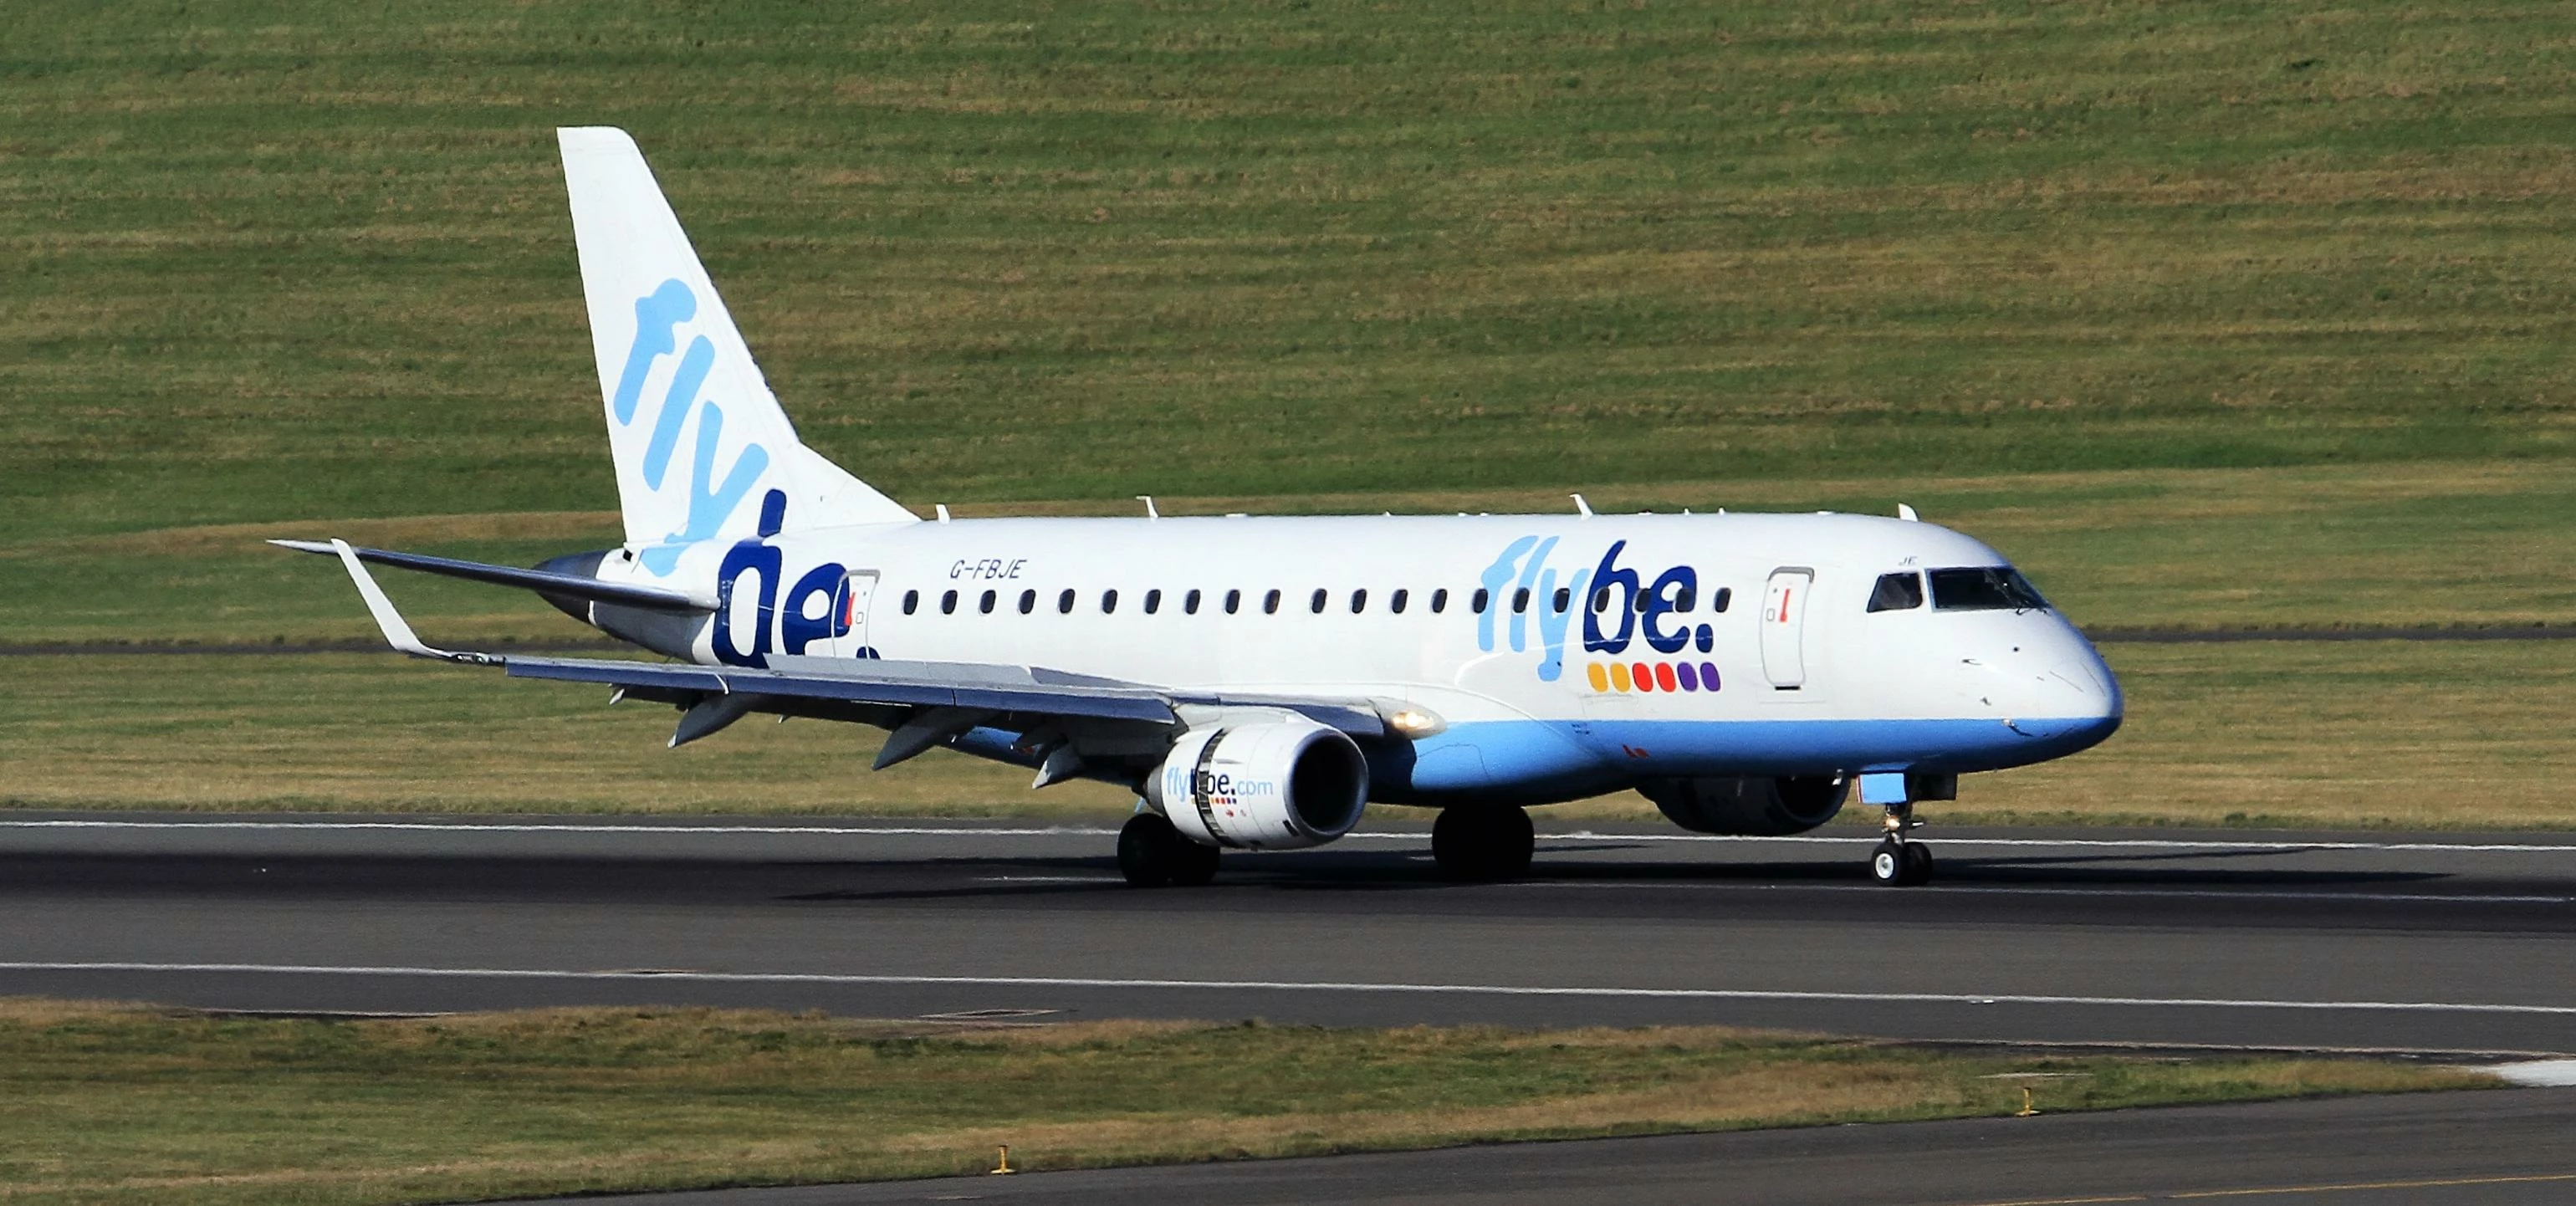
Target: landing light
1414, 722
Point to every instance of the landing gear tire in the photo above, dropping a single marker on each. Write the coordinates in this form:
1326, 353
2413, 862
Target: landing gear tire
1483, 845
1886, 864
1193, 865
1905, 865
1152, 854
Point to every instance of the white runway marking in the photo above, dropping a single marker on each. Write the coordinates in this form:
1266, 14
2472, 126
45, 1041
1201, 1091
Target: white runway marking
2094, 893
2090, 893
2537, 1074
1093, 831
1497, 990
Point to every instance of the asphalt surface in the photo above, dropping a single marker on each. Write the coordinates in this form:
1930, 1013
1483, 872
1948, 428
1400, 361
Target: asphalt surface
2457, 1149
2164, 937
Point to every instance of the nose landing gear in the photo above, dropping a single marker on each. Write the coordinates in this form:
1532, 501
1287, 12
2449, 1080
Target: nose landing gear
1898, 862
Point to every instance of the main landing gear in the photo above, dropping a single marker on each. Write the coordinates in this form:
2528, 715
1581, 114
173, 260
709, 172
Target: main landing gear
1483, 845
1152, 854
1899, 862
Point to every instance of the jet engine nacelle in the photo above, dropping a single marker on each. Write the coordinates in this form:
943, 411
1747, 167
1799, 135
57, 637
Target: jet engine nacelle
1270, 784
1749, 807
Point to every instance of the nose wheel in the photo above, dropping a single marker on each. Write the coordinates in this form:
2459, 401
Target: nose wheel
1899, 862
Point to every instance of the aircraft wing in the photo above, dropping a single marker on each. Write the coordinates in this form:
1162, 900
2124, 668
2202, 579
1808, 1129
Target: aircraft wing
997, 689
924, 702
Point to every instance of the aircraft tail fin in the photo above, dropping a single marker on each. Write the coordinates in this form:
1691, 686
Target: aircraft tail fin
703, 450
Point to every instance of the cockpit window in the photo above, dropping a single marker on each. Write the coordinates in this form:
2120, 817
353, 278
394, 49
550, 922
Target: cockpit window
1897, 592
1990, 588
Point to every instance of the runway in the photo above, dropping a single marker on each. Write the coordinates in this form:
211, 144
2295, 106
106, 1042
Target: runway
2160, 937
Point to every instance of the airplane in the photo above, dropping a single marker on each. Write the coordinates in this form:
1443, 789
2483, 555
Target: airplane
1258, 680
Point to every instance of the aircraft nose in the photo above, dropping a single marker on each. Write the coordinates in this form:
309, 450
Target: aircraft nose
2083, 701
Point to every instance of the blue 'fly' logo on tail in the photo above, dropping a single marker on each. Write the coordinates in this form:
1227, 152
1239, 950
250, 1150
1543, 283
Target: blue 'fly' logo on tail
658, 316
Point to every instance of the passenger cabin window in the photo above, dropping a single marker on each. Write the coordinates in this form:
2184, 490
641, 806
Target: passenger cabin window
1478, 601
1395, 602
1564, 599
1897, 592
985, 604
948, 604
1600, 600
1153, 602
1270, 603
1028, 601
1233, 601
1108, 602
1359, 601
1724, 596
1316, 604
1439, 600
1988, 588
1520, 600
1190, 603
1064, 603
1683, 598
911, 601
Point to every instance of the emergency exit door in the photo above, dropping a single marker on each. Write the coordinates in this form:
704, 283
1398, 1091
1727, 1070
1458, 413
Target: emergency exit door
1784, 627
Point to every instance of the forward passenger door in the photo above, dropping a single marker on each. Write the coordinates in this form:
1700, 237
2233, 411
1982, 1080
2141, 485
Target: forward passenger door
1784, 627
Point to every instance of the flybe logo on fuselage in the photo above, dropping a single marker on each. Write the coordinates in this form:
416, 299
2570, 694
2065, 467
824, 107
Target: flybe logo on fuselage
711, 500
1521, 608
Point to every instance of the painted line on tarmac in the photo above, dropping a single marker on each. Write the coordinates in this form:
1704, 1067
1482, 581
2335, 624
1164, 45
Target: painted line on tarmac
1348, 986
2092, 893
2095, 893
2287, 1190
1581, 835
2285, 847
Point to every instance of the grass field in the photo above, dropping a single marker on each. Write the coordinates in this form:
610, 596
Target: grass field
2210, 315
2326, 735
107, 1105
302, 260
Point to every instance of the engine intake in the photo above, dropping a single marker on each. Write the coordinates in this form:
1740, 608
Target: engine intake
1280, 784
1749, 807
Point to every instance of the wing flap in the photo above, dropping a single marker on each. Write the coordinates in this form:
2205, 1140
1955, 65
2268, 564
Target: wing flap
918, 684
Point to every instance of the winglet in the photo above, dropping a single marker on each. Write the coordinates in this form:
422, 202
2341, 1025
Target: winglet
397, 630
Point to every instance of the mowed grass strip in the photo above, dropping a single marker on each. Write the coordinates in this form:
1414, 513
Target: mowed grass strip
109, 1104
285, 258
2385, 734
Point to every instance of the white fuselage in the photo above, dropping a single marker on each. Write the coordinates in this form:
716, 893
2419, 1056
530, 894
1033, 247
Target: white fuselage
1560, 656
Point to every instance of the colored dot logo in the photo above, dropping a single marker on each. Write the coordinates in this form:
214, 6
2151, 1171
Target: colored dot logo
1652, 676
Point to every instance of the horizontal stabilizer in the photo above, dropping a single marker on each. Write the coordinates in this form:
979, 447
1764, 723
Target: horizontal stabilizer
650, 598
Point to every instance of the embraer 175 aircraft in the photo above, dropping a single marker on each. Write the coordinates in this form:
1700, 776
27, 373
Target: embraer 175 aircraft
1257, 681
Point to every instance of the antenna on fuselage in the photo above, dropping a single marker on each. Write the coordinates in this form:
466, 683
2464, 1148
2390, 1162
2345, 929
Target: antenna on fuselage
1906, 513
1580, 505
942, 508
1150, 512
